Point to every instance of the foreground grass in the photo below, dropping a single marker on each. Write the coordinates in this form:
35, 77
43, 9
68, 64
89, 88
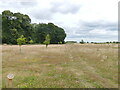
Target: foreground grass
61, 66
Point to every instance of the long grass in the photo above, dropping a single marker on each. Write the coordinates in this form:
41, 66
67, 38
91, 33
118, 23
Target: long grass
61, 66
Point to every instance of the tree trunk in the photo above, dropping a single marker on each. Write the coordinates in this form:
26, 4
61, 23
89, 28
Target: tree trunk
46, 45
20, 48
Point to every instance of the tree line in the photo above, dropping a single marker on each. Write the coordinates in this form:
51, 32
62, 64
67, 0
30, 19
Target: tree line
83, 42
16, 25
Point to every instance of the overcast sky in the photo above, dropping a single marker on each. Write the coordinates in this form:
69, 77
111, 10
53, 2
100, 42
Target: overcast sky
90, 20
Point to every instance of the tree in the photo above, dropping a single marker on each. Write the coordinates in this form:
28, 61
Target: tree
82, 42
70, 42
60, 42
31, 42
56, 33
21, 41
47, 40
7, 26
14, 25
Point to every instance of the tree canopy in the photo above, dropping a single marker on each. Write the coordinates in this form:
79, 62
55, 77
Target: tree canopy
16, 24
56, 33
21, 40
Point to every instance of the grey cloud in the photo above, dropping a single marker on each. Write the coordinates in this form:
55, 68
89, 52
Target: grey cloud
10, 4
88, 26
29, 3
101, 25
42, 14
17, 4
64, 8
85, 30
88, 36
48, 13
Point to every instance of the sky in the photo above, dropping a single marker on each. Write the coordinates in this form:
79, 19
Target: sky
90, 20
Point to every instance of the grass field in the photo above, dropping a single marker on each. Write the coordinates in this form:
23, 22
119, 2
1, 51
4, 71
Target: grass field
61, 66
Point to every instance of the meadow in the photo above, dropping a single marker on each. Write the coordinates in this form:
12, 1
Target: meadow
61, 66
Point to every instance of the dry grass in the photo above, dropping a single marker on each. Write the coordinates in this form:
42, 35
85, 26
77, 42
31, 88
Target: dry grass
61, 66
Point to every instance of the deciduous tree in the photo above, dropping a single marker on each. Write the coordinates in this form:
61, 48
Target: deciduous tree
47, 40
21, 41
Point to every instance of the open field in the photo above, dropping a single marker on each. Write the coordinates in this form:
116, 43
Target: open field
61, 66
